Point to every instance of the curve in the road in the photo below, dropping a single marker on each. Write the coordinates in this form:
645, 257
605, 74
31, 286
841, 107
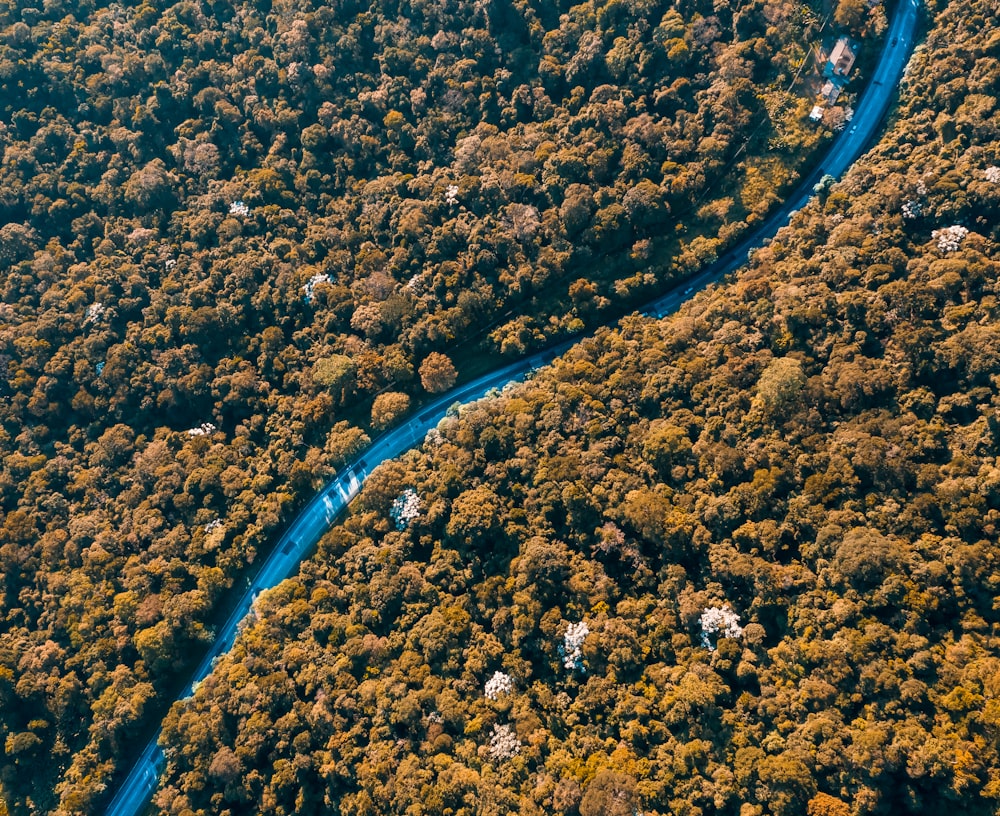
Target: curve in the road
317, 517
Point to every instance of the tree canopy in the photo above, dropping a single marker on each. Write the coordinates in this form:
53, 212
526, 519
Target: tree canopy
740, 560
233, 236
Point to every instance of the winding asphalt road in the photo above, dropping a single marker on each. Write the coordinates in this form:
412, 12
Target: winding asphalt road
319, 515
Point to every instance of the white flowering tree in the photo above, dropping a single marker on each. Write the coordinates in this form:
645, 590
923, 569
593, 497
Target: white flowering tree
571, 649
719, 621
405, 508
949, 239
498, 684
95, 311
312, 283
504, 743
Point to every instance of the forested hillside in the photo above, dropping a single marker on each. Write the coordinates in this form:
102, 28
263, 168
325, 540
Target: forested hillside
236, 238
740, 561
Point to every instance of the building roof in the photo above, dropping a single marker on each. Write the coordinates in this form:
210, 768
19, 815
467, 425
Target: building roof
842, 57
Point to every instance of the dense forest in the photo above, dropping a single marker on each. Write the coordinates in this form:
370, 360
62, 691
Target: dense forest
739, 561
236, 239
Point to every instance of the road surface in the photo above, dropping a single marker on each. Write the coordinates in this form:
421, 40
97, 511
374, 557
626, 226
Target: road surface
319, 515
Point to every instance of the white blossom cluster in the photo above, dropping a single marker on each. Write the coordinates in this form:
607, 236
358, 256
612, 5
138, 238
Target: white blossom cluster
498, 684
94, 312
451, 195
949, 238
141, 236
416, 284
312, 283
912, 209
993, 174
201, 430
571, 648
405, 509
504, 743
239, 208
214, 524
719, 621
